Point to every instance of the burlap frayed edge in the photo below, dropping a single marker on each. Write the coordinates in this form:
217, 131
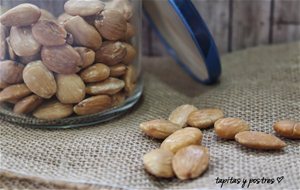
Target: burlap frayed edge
53, 183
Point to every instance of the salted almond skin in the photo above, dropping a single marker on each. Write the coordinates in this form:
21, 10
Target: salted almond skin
259, 140
204, 118
288, 128
190, 162
39, 79
93, 105
182, 138
70, 89
130, 55
181, 113
22, 15
22, 41
53, 110
49, 33
227, 128
14, 92
159, 129
27, 104
118, 70
87, 56
110, 86
158, 162
111, 24
95, 73
11, 72
83, 8
111, 53
85, 35
61, 59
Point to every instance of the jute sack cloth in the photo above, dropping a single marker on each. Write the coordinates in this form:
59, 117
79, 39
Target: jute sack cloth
260, 85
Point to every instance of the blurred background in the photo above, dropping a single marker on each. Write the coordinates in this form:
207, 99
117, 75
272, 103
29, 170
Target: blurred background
238, 24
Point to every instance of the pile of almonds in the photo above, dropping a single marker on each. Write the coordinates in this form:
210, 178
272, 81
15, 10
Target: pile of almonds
181, 152
80, 62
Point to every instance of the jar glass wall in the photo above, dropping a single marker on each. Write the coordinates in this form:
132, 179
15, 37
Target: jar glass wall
69, 63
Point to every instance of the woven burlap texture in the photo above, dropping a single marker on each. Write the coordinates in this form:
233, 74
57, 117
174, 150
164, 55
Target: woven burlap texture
260, 85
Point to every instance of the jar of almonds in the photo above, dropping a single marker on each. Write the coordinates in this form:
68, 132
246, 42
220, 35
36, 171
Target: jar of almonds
69, 63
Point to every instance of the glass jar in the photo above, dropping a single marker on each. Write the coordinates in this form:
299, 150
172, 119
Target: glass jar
69, 63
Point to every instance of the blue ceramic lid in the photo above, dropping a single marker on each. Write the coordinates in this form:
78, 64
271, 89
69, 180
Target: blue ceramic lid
186, 37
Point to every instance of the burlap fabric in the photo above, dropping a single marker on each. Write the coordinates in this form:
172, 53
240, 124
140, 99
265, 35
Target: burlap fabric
260, 85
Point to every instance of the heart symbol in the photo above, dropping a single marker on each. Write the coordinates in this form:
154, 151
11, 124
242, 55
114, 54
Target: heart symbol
279, 179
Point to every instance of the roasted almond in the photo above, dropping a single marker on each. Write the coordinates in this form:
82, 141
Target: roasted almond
227, 128
259, 140
204, 118
14, 92
53, 110
118, 70
27, 104
87, 56
61, 59
11, 55
21, 15
70, 89
111, 53
39, 79
158, 162
130, 79
118, 99
27, 59
93, 105
190, 162
111, 24
182, 138
181, 113
95, 73
110, 86
159, 129
123, 6
130, 55
83, 8
85, 35
22, 41
49, 33
63, 18
11, 72
130, 32
288, 128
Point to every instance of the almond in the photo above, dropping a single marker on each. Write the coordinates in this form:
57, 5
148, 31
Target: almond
130, 32
27, 59
118, 99
190, 162
11, 72
259, 140
70, 89
130, 78
14, 92
288, 128
93, 105
118, 70
63, 18
46, 15
158, 162
85, 35
131, 54
10, 52
95, 73
22, 41
87, 56
3, 85
181, 113
49, 33
111, 24
204, 118
27, 104
111, 53
159, 129
39, 79
110, 86
227, 128
182, 138
83, 8
61, 59
21, 15
123, 6
53, 110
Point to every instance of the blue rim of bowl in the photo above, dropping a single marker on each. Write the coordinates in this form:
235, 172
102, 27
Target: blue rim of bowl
200, 34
